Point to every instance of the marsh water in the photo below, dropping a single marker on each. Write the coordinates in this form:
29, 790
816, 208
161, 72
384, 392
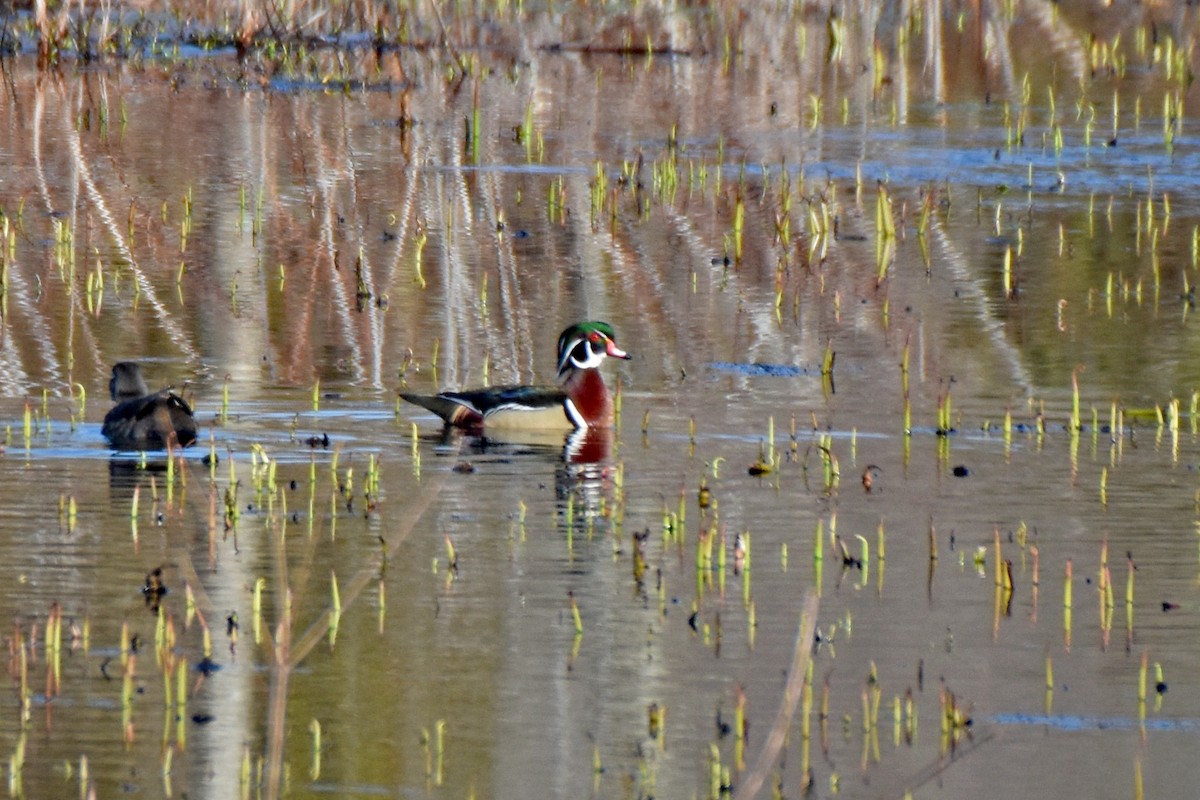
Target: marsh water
868, 260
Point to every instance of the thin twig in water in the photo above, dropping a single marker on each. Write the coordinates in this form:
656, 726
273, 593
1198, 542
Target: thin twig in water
943, 763
458, 59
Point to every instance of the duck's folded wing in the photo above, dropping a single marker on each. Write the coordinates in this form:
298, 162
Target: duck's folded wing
164, 399
513, 398
134, 409
469, 409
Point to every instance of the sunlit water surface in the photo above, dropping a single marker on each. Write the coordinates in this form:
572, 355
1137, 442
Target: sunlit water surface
291, 258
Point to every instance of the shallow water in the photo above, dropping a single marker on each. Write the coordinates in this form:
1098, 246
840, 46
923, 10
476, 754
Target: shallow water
261, 238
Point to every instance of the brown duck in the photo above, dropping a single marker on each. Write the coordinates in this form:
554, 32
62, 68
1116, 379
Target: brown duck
141, 420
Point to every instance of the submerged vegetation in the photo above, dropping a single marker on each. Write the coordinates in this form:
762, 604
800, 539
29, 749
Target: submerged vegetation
911, 290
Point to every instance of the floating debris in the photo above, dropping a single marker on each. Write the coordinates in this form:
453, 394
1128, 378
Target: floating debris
207, 666
155, 588
869, 475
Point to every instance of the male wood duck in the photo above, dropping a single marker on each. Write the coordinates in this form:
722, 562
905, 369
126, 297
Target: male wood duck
144, 421
581, 400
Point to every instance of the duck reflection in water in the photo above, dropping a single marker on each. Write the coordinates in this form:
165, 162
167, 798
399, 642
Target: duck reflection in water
583, 461
580, 447
142, 420
586, 474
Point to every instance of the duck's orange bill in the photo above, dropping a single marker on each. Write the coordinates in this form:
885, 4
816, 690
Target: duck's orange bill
614, 351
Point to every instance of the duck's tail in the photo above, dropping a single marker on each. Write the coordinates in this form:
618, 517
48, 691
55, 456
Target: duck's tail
452, 411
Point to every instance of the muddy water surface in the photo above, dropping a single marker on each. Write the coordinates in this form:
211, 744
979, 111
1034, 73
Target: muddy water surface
292, 250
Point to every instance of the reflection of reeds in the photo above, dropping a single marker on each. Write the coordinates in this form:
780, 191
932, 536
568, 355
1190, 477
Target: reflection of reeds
798, 685
358, 204
317, 312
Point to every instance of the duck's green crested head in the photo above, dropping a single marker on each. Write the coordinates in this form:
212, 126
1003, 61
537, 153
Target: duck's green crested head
585, 345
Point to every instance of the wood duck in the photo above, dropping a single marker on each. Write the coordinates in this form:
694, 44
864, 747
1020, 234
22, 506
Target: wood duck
581, 400
144, 421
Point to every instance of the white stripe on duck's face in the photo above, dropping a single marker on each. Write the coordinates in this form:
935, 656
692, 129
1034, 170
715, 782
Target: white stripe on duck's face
583, 347
591, 354
586, 351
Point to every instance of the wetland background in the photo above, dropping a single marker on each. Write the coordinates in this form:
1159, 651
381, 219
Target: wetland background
949, 246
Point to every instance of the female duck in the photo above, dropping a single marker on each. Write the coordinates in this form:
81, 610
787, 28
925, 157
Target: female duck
581, 400
145, 421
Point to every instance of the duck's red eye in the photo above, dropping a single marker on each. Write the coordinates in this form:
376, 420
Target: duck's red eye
595, 337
